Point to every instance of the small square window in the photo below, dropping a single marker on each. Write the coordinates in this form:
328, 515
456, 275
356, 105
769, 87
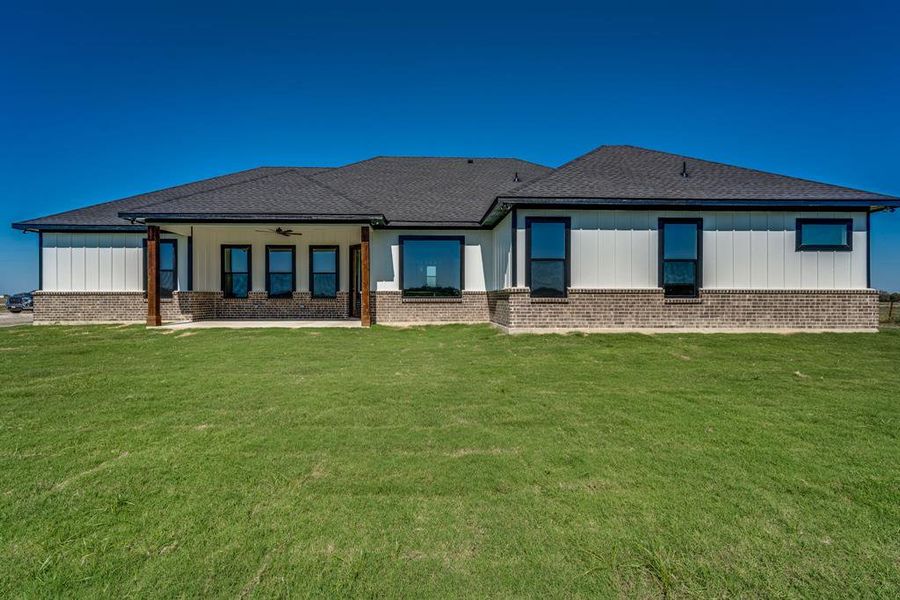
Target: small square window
431, 266
824, 234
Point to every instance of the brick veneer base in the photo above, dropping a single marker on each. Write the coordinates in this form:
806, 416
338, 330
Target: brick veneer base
392, 307
512, 309
714, 309
131, 307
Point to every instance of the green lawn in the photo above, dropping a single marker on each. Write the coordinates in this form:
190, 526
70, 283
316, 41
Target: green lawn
447, 461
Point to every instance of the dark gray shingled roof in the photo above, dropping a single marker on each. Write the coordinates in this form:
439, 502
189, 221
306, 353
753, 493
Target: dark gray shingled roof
410, 191
428, 189
637, 173
282, 194
106, 214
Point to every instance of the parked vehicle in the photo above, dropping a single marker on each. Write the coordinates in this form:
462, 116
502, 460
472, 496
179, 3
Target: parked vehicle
19, 302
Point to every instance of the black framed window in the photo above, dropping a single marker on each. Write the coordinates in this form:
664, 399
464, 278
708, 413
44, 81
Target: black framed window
323, 271
548, 256
824, 234
281, 278
432, 266
680, 257
236, 279
168, 267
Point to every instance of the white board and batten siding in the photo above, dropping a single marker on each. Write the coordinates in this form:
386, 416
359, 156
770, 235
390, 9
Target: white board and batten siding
741, 250
208, 241
610, 249
502, 254
99, 262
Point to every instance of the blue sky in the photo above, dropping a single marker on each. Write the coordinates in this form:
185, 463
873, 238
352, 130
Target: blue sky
103, 100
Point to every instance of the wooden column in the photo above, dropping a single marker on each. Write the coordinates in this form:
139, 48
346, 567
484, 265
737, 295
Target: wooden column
365, 315
153, 317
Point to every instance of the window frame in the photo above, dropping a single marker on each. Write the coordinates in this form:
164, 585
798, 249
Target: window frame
798, 235
567, 261
698, 269
249, 271
401, 240
293, 250
174, 243
337, 270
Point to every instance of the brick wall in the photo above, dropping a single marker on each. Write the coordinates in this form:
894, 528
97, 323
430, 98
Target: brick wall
75, 307
60, 307
715, 309
301, 306
512, 308
392, 307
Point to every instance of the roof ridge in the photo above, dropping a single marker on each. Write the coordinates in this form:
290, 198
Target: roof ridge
317, 169
252, 179
133, 196
751, 169
340, 194
219, 187
470, 157
351, 164
293, 170
552, 170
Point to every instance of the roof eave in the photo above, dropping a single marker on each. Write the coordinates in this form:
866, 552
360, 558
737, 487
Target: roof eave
432, 225
505, 202
149, 218
70, 227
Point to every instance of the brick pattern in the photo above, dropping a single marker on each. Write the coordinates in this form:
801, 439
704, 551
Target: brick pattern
74, 307
300, 306
188, 306
715, 309
513, 308
61, 307
392, 307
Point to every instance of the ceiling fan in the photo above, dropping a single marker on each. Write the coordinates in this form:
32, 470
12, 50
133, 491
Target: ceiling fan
280, 231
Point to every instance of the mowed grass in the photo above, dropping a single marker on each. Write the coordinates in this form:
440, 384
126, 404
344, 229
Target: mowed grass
447, 461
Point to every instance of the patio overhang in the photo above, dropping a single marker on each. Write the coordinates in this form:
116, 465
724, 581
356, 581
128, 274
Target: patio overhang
251, 218
197, 250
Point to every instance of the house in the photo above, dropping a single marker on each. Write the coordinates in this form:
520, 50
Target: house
620, 238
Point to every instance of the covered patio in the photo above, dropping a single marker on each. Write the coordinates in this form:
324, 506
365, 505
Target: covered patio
254, 274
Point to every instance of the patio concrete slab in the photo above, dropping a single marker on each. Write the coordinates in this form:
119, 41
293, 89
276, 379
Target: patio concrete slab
255, 324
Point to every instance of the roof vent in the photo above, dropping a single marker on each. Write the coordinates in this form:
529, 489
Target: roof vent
516, 177
470, 161
684, 171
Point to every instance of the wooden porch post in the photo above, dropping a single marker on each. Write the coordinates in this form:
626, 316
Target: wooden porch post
365, 316
153, 317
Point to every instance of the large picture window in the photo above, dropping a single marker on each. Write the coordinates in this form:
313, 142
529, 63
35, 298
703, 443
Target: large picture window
168, 267
280, 274
236, 263
323, 271
432, 266
547, 251
825, 234
680, 257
